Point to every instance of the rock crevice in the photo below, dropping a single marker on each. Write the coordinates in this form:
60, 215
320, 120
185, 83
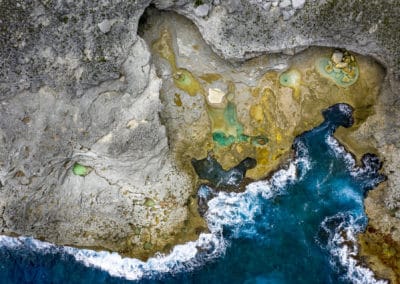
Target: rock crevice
78, 85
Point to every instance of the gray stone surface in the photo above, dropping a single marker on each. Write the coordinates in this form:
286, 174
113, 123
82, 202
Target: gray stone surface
77, 85
238, 30
241, 29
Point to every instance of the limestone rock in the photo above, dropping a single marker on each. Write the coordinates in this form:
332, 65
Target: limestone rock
202, 10
105, 26
253, 30
298, 4
77, 85
69, 99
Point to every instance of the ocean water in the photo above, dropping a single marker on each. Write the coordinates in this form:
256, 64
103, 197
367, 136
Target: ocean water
299, 226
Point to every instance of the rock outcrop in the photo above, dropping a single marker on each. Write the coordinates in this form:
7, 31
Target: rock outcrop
78, 85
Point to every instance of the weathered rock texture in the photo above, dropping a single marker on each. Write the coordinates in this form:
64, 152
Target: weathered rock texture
264, 108
238, 30
77, 85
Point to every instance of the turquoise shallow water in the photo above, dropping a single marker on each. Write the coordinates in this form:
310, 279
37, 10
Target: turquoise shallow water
297, 227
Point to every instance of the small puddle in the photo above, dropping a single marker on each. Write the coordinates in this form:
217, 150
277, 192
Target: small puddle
255, 108
230, 124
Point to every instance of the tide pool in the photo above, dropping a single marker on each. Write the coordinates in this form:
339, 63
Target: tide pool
299, 226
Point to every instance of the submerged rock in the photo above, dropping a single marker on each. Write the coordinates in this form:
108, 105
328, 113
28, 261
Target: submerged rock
204, 194
99, 79
342, 68
209, 169
339, 115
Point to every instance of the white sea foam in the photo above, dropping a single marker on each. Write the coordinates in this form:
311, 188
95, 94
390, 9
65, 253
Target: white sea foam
340, 152
346, 109
342, 245
232, 209
303, 161
236, 210
183, 257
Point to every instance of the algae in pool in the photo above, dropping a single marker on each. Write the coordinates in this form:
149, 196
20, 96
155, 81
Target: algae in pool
298, 226
252, 109
341, 68
239, 113
271, 112
292, 80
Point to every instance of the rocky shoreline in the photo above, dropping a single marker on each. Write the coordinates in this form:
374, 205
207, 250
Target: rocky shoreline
78, 85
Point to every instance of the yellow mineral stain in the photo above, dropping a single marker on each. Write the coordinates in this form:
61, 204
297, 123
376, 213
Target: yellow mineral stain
282, 106
256, 113
262, 156
185, 81
267, 108
183, 78
177, 100
163, 46
218, 123
210, 77
239, 149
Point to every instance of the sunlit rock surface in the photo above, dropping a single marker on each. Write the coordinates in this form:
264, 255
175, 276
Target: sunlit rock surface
77, 85
263, 104
75, 92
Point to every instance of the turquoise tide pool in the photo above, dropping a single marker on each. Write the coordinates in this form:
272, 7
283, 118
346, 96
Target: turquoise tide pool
299, 226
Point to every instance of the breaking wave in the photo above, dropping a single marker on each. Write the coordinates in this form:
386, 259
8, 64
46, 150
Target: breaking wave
312, 207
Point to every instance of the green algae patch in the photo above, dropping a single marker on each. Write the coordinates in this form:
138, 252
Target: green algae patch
222, 139
291, 79
185, 81
149, 202
80, 170
342, 69
226, 128
147, 246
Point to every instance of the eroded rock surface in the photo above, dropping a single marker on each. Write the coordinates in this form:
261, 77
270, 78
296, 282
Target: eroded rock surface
75, 90
78, 85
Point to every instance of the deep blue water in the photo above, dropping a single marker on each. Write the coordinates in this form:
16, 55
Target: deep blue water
297, 227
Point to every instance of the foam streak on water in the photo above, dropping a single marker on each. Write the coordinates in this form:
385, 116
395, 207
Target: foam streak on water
299, 226
343, 248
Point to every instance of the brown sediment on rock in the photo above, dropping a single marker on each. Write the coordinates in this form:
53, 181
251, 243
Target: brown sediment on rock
380, 243
210, 77
272, 109
80, 76
381, 253
187, 231
264, 106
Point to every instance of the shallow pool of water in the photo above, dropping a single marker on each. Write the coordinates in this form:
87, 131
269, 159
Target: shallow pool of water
299, 226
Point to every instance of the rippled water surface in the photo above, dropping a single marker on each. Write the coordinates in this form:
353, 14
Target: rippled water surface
297, 227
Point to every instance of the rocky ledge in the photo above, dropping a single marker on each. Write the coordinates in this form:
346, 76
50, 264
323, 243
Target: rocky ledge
84, 157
